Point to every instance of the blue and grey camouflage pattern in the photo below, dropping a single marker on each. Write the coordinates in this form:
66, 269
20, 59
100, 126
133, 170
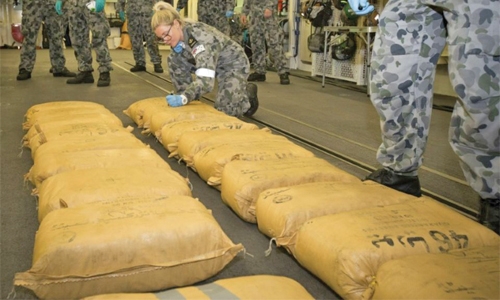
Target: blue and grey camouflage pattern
409, 41
212, 12
81, 21
139, 14
206, 51
34, 13
264, 30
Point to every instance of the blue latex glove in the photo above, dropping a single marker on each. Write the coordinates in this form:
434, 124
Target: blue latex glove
361, 7
99, 5
229, 13
122, 15
59, 7
176, 100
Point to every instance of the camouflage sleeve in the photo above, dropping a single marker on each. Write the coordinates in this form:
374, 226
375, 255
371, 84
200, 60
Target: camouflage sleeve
181, 4
230, 5
180, 73
271, 4
120, 5
246, 7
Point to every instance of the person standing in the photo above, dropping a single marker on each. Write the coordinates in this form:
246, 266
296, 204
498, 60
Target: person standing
85, 16
201, 49
264, 28
408, 43
139, 14
34, 13
213, 12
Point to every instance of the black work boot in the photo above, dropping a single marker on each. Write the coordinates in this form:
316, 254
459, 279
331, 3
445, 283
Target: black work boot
158, 68
406, 184
138, 68
256, 77
82, 77
253, 99
23, 75
284, 78
104, 79
489, 214
64, 73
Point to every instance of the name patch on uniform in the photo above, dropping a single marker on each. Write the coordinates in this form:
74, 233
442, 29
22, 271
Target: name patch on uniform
197, 50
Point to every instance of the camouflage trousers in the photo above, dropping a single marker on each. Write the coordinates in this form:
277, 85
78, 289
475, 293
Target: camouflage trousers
34, 13
409, 41
213, 13
81, 22
139, 27
264, 30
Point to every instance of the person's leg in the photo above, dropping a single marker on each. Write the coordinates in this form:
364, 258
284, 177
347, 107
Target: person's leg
79, 31
474, 68
151, 43
257, 32
135, 31
409, 42
274, 35
31, 22
54, 24
100, 32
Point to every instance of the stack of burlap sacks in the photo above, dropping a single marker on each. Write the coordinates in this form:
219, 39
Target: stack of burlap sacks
362, 239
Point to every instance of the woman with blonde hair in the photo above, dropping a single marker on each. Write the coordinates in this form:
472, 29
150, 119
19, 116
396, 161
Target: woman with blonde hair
209, 54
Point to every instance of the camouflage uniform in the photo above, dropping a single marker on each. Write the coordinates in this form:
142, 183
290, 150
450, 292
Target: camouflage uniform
34, 12
262, 30
409, 42
81, 20
139, 14
212, 12
211, 55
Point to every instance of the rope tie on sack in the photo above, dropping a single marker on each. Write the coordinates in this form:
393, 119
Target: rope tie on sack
12, 293
270, 249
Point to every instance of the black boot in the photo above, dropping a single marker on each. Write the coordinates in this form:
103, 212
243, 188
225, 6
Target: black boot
489, 214
23, 75
257, 77
82, 77
406, 184
253, 99
104, 79
64, 73
158, 68
284, 78
138, 68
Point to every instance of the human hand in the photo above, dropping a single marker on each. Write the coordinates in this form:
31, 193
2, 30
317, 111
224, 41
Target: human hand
361, 7
243, 19
268, 13
176, 100
229, 13
58, 7
122, 15
99, 5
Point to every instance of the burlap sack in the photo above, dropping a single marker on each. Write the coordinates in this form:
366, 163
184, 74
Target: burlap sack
47, 107
56, 147
69, 114
171, 133
243, 181
194, 110
282, 211
49, 165
460, 274
137, 109
131, 247
74, 121
106, 185
345, 250
192, 142
76, 131
210, 161
243, 288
